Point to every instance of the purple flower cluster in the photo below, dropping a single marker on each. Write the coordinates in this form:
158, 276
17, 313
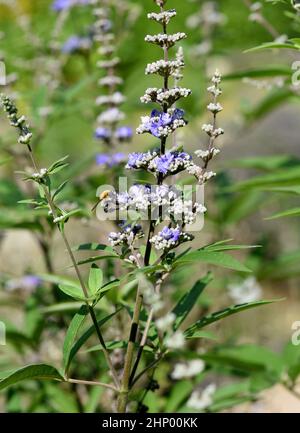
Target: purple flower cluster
159, 120
110, 160
169, 163
28, 283
137, 160
60, 5
123, 133
76, 43
170, 237
170, 234
126, 237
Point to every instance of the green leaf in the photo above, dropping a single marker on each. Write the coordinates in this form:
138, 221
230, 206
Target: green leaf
180, 391
59, 190
95, 279
267, 163
87, 334
71, 334
247, 358
38, 371
271, 45
110, 345
57, 279
61, 307
284, 266
67, 215
288, 213
217, 247
61, 400
74, 292
219, 315
271, 71
93, 247
213, 258
96, 259
272, 100
187, 302
110, 285
205, 334
58, 165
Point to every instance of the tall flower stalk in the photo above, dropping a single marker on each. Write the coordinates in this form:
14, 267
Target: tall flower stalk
108, 129
164, 163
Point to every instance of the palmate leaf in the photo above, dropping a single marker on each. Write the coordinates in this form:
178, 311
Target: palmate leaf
72, 332
219, 315
214, 258
188, 301
38, 371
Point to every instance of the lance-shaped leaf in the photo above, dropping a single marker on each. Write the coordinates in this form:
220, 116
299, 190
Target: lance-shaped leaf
271, 71
74, 292
38, 371
93, 247
95, 279
213, 258
295, 212
72, 332
290, 45
84, 337
187, 302
219, 315
59, 189
58, 165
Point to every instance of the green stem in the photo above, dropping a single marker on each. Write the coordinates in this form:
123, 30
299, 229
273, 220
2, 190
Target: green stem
80, 278
91, 382
124, 391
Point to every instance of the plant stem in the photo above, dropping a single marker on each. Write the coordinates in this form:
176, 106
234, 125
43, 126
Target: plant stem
151, 365
89, 382
79, 276
124, 391
142, 345
146, 330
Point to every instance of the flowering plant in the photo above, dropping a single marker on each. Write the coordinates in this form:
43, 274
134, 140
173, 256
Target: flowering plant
157, 226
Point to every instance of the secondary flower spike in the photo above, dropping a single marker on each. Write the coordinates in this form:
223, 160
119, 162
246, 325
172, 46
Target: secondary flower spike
108, 129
